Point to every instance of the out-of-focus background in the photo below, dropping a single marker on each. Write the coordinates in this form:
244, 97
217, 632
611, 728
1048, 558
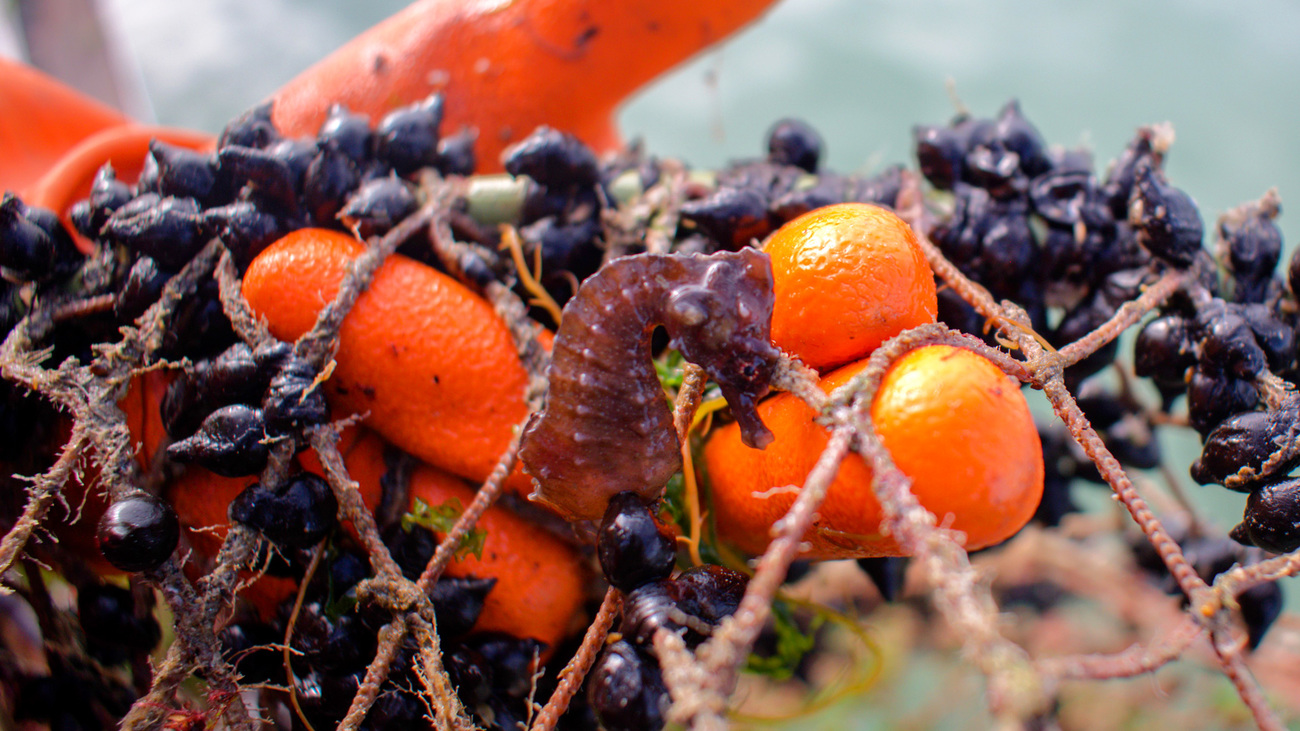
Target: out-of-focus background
863, 72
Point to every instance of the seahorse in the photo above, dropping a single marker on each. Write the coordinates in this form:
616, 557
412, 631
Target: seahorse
606, 427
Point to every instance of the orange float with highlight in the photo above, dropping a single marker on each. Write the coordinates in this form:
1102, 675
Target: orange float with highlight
847, 278
954, 424
429, 361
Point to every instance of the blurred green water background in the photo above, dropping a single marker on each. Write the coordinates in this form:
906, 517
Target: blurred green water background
862, 72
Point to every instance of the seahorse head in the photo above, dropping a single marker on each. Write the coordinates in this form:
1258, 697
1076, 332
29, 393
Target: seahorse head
723, 324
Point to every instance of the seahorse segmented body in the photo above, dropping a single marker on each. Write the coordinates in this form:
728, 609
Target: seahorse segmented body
606, 427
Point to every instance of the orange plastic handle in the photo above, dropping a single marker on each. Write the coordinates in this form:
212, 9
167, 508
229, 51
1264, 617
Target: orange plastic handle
507, 66
42, 120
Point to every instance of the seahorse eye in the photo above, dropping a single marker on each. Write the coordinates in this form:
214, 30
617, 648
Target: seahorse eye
717, 273
688, 311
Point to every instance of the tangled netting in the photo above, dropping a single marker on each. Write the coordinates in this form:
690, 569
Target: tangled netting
983, 182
